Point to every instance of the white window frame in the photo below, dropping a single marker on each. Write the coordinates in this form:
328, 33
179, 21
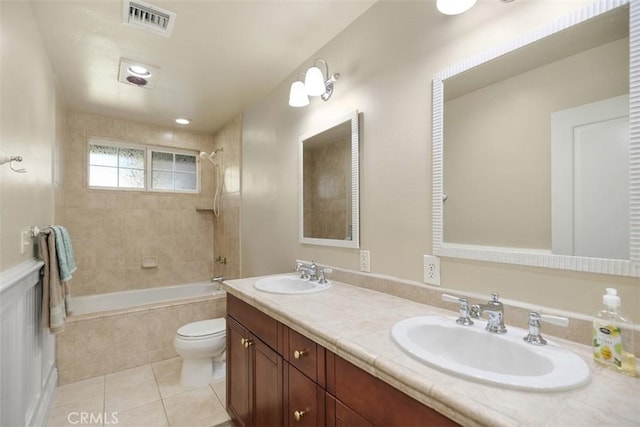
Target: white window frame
148, 150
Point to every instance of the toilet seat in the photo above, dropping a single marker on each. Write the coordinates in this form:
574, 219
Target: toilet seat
203, 329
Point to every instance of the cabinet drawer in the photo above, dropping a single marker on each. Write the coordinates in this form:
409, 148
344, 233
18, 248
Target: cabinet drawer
305, 404
338, 415
377, 401
261, 325
306, 356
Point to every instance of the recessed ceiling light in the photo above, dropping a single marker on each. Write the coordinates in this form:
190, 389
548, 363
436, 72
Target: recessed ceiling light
139, 71
182, 121
136, 73
454, 7
138, 81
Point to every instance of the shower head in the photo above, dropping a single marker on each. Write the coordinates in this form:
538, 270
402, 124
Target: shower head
211, 156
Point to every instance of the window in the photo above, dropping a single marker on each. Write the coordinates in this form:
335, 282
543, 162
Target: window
125, 166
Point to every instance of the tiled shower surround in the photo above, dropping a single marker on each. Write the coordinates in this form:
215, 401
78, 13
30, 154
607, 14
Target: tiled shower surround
112, 230
226, 227
101, 343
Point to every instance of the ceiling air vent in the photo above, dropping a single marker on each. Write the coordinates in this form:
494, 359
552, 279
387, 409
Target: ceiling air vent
143, 15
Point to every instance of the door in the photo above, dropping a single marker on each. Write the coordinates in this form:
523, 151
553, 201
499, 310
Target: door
238, 377
266, 385
590, 180
305, 400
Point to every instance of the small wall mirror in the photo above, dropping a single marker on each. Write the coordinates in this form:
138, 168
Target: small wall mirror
328, 184
532, 149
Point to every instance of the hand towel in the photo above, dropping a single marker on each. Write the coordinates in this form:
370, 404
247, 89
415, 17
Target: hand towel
66, 260
56, 295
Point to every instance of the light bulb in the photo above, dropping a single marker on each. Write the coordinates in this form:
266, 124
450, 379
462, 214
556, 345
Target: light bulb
298, 95
314, 82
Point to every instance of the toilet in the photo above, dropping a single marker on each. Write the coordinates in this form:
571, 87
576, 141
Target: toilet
202, 346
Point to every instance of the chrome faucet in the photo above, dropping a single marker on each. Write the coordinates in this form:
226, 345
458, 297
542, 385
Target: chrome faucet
463, 310
495, 311
534, 337
307, 271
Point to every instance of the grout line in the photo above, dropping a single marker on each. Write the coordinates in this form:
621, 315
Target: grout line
164, 409
104, 396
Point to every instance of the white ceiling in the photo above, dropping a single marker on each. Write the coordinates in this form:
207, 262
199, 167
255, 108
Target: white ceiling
221, 57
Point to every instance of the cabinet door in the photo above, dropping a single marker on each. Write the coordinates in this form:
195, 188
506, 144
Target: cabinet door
238, 376
304, 400
266, 385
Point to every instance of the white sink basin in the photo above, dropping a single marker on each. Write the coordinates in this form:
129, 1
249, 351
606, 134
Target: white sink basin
473, 353
290, 285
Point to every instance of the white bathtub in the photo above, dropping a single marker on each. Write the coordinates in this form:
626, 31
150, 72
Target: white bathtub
149, 316
127, 299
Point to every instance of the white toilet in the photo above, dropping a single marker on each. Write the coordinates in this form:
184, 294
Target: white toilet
202, 346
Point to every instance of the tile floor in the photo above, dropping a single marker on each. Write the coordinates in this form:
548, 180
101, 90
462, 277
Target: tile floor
149, 396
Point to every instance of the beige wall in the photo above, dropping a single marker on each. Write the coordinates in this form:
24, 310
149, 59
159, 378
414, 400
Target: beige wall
226, 228
387, 59
497, 150
113, 230
30, 114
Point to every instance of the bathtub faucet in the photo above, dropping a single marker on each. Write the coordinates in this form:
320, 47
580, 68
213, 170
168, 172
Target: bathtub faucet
218, 279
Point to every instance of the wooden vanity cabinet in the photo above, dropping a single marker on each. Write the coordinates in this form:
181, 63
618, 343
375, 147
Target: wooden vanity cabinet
279, 377
254, 367
375, 401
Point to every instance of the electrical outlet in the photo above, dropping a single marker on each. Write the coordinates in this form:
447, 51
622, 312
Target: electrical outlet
365, 261
432, 270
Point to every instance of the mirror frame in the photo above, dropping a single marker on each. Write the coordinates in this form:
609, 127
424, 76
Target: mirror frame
533, 257
353, 117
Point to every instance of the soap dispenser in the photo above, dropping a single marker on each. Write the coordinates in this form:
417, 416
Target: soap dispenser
613, 336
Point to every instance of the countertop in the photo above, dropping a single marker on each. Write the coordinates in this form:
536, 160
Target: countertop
355, 323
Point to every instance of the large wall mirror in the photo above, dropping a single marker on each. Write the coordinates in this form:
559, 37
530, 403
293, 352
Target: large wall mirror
329, 184
535, 157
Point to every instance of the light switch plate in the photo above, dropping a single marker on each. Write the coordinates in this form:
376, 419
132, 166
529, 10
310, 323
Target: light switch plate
432, 270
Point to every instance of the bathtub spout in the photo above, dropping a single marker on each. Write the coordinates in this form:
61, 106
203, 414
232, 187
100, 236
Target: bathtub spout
218, 279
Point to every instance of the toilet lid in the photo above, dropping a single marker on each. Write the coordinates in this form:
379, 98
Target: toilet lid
203, 328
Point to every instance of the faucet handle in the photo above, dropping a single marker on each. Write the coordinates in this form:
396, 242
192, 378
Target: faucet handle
321, 275
464, 318
534, 337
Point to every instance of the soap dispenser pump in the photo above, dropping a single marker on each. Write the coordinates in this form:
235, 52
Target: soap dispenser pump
613, 336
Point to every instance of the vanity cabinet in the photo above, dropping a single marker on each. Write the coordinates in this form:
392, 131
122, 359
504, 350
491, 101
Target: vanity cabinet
254, 367
279, 377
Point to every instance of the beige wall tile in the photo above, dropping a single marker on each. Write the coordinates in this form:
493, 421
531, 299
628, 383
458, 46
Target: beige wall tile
126, 225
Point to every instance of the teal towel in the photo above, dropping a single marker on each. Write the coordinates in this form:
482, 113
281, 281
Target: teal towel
66, 260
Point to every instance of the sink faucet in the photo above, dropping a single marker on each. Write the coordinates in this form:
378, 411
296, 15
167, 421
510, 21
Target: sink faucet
495, 311
307, 271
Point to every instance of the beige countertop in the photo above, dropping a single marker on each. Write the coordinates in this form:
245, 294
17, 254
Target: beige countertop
355, 323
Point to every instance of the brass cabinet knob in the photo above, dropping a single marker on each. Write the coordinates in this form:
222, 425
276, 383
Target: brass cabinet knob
246, 342
298, 415
299, 353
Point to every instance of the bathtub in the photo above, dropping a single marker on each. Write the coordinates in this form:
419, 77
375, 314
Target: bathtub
121, 330
139, 297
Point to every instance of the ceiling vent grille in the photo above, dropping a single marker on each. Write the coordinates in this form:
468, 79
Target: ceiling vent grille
143, 15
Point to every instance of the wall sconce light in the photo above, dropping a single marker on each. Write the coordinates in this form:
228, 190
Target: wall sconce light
298, 95
454, 7
315, 84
